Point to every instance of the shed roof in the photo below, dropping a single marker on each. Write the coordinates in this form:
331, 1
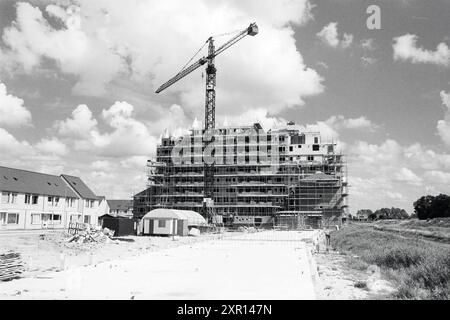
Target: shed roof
192, 217
23, 181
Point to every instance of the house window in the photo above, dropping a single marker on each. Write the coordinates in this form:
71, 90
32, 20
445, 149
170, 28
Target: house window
34, 199
70, 202
2, 218
56, 201
36, 218
161, 223
27, 198
75, 218
315, 147
89, 203
50, 201
310, 158
13, 218
56, 219
46, 217
87, 219
8, 197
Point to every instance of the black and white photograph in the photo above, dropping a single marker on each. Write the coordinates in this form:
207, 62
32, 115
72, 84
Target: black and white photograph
224, 151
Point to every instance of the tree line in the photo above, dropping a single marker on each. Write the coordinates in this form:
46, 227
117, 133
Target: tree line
426, 207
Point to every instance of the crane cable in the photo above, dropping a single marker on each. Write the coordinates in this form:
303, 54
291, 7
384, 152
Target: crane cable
184, 67
201, 48
226, 34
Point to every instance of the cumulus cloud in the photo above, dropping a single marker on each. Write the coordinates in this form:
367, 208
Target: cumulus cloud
79, 125
127, 136
10, 146
436, 176
340, 122
443, 126
385, 169
52, 146
406, 49
99, 44
330, 36
406, 175
12, 111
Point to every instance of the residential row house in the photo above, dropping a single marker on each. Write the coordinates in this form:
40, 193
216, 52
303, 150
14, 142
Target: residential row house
120, 208
33, 200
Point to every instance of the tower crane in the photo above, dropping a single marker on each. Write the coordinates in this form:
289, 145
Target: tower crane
210, 99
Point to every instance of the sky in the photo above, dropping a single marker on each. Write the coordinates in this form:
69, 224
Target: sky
77, 82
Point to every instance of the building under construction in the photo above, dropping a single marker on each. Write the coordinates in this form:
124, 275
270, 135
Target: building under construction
283, 177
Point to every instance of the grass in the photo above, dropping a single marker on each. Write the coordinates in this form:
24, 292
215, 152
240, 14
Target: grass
421, 268
435, 229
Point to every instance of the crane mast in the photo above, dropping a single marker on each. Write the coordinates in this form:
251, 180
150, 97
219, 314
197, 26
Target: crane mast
210, 99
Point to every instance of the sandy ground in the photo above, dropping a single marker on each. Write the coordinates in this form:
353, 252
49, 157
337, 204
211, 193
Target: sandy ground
337, 279
46, 251
263, 265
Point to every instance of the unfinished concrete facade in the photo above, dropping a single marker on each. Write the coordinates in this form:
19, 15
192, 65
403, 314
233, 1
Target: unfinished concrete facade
282, 176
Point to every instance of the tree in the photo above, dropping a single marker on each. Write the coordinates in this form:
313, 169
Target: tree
392, 213
428, 207
364, 213
440, 206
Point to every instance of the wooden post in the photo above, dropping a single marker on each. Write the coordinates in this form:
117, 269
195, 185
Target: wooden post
173, 229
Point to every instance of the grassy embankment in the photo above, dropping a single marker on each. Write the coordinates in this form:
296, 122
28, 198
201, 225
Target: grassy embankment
420, 268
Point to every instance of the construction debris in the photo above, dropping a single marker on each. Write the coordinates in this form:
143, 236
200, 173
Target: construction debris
11, 266
93, 235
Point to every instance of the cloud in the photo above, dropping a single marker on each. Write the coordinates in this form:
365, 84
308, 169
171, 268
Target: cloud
445, 98
52, 146
406, 175
12, 111
378, 172
436, 176
406, 49
347, 40
330, 36
367, 61
340, 122
128, 136
367, 44
443, 126
98, 43
84, 53
10, 146
79, 125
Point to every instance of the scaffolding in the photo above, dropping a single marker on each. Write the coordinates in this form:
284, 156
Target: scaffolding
297, 189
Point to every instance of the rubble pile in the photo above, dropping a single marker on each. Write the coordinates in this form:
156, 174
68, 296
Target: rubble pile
88, 235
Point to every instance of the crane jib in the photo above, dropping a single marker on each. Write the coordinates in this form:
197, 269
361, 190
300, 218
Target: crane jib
251, 30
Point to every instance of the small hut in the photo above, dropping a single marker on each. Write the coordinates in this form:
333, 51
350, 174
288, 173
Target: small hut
170, 222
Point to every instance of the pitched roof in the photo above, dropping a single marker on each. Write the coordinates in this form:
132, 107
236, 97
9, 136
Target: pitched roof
23, 181
80, 187
120, 204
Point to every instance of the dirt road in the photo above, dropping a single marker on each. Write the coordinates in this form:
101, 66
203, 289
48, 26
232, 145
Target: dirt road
263, 265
